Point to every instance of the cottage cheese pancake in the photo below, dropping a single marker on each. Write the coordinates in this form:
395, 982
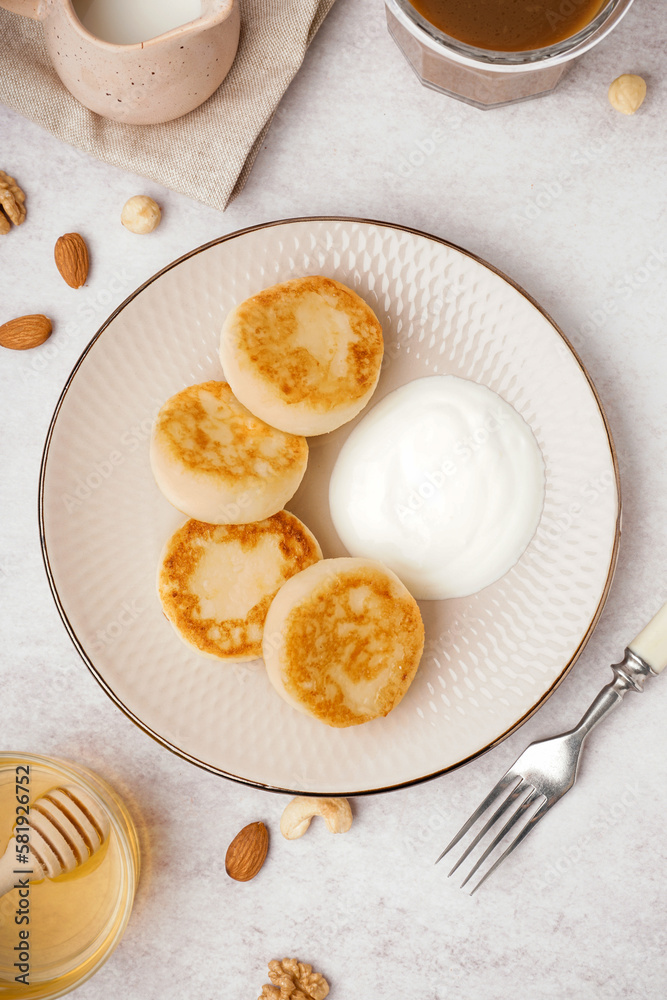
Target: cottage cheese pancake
217, 462
304, 355
216, 582
343, 640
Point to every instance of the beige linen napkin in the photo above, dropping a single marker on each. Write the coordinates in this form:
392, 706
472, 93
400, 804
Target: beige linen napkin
207, 153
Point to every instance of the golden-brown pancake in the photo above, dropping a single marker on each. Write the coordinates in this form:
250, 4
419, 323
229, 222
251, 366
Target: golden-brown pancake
343, 640
217, 462
216, 582
304, 355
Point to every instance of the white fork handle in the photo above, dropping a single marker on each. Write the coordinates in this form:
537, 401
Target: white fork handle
651, 643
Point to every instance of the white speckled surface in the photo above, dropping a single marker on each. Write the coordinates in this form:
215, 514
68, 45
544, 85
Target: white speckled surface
566, 197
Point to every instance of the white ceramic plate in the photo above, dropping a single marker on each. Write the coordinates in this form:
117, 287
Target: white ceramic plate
490, 659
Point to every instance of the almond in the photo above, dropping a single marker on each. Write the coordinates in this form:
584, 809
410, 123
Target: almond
25, 332
71, 256
247, 851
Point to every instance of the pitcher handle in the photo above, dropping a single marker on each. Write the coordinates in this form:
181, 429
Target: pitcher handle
29, 8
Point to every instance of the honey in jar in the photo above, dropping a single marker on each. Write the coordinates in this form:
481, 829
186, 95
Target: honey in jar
56, 932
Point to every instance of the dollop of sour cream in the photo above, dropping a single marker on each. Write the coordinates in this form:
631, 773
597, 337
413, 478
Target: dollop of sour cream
443, 482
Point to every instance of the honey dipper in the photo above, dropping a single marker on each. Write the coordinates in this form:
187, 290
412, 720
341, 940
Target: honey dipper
66, 826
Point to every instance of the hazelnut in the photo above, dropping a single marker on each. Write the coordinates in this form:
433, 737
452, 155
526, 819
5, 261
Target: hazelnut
626, 93
141, 214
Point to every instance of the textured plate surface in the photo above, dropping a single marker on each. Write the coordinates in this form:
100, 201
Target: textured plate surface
490, 659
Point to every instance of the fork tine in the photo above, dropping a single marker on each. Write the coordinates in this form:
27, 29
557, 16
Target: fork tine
504, 783
522, 789
518, 814
535, 818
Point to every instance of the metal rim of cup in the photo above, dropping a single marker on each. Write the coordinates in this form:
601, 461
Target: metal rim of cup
529, 59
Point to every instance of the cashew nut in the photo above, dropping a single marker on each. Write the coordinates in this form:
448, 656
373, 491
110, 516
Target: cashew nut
298, 813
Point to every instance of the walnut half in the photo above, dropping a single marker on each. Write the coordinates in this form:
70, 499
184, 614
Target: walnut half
293, 980
12, 203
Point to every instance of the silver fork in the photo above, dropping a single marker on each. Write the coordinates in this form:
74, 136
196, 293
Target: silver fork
547, 769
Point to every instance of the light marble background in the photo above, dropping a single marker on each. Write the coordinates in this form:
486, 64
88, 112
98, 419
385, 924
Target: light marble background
568, 198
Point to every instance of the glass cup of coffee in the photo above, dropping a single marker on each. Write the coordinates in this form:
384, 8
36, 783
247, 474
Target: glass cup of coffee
490, 53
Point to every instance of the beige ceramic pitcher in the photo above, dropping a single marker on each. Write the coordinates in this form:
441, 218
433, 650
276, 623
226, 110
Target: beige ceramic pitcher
146, 82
